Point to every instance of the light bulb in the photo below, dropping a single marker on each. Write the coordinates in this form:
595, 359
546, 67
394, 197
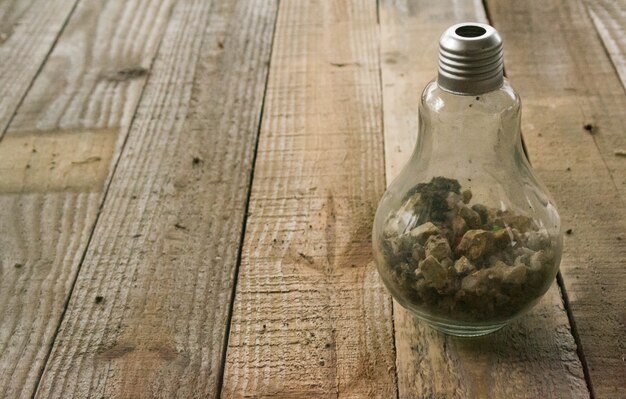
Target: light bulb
466, 237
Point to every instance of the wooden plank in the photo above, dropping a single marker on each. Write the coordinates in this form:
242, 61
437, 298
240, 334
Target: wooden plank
311, 317
609, 18
149, 311
535, 356
566, 80
55, 160
28, 31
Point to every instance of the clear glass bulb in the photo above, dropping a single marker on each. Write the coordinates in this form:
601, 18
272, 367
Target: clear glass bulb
466, 237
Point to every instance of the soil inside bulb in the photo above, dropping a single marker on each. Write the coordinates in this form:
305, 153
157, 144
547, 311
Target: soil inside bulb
465, 261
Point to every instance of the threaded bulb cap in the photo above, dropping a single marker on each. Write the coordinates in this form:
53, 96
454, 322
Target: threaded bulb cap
470, 59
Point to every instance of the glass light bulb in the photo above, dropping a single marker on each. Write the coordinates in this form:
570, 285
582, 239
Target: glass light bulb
466, 237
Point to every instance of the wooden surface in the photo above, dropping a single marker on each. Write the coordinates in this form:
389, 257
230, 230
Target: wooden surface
311, 318
156, 282
28, 32
187, 190
609, 18
581, 88
55, 159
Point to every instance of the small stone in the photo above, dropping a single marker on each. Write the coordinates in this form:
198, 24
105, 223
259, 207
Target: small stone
471, 217
494, 219
522, 260
447, 263
433, 197
448, 234
392, 227
463, 266
538, 260
433, 272
471, 283
522, 256
515, 275
502, 238
452, 199
520, 222
497, 271
410, 204
418, 253
494, 258
569, 231
508, 256
537, 240
405, 273
438, 247
482, 211
479, 281
519, 240
459, 227
401, 245
423, 231
420, 284
475, 244
467, 196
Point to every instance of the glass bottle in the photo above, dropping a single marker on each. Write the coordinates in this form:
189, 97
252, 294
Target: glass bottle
466, 237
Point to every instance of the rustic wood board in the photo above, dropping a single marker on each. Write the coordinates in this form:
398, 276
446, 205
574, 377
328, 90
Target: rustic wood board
152, 287
311, 318
609, 18
566, 80
28, 31
149, 311
535, 356
55, 160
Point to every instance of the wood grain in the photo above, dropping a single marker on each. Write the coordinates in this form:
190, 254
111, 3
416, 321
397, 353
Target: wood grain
566, 81
311, 318
28, 31
149, 311
609, 18
535, 356
54, 163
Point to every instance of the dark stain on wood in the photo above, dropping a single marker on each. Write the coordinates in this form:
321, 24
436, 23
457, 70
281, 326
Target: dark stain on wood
125, 74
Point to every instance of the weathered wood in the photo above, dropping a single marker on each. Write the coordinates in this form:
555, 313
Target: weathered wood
566, 81
609, 18
54, 162
535, 356
28, 31
311, 317
149, 311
